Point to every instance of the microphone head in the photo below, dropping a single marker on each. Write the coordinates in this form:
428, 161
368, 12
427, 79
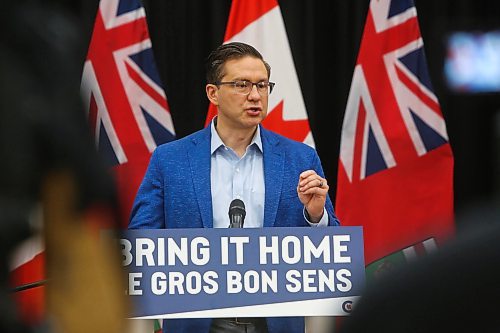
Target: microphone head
237, 207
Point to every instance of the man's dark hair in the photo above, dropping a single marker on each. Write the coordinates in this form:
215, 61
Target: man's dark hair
230, 51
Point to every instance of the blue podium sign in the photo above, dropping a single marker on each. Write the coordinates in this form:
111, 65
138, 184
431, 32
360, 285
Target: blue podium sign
250, 272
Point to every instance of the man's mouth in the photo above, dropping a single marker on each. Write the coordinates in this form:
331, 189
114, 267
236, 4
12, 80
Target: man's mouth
253, 111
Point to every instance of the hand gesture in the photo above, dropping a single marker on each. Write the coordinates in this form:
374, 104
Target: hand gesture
312, 191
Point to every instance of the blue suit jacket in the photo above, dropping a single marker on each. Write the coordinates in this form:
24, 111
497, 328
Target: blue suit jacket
176, 193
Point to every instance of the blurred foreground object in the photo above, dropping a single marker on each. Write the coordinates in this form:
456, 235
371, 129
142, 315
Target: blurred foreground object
453, 290
50, 168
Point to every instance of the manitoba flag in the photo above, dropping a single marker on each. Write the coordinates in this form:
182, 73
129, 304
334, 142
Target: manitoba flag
126, 104
260, 24
396, 166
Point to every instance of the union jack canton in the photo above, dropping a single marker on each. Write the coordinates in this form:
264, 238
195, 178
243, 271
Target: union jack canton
398, 103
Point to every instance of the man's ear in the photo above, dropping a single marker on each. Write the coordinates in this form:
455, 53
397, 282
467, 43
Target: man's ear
212, 93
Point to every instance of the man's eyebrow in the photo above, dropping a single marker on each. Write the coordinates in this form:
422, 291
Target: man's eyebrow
246, 79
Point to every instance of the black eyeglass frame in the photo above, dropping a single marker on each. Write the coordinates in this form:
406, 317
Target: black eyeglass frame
233, 83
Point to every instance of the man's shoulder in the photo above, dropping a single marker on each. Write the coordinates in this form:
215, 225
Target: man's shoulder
184, 143
283, 142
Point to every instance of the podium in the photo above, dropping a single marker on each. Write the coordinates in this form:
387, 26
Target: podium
249, 272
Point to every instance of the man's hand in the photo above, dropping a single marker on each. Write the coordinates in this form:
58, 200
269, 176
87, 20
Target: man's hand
312, 191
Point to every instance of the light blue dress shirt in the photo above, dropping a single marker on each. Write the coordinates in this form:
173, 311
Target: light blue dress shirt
242, 178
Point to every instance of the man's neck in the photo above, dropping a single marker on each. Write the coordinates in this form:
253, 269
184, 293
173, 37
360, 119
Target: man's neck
237, 140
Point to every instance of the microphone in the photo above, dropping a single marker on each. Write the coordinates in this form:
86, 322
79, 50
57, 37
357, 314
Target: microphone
236, 214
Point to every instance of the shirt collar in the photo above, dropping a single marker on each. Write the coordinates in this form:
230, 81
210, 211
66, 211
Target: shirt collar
216, 142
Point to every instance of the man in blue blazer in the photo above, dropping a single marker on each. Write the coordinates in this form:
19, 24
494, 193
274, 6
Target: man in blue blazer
190, 182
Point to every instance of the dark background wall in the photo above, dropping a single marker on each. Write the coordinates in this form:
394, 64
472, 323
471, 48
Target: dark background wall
324, 36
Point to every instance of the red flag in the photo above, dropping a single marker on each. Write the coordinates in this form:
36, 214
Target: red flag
27, 277
260, 24
396, 165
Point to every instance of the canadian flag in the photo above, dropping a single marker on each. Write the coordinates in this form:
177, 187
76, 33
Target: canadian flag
260, 24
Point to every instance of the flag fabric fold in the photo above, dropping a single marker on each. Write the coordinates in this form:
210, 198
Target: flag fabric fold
395, 173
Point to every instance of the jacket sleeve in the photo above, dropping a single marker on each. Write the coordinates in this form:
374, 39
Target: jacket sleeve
332, 218
148, 208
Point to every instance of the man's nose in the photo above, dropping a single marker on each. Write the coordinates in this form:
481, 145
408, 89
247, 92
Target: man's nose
254, 92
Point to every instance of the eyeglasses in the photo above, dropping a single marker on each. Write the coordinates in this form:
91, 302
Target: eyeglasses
245, 87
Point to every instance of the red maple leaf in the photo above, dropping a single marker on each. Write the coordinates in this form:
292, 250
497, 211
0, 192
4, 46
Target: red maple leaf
293, 129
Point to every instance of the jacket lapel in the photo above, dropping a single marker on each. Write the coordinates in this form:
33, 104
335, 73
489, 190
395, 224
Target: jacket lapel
199, 161
274, 158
